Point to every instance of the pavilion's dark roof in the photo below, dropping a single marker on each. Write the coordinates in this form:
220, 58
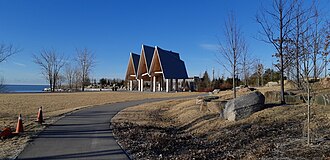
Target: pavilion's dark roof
135, 58
148, 52
173, 67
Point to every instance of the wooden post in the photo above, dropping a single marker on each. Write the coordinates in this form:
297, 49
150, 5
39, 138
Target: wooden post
142, 85
139, 85
160, 85
154, 84
167, 85
130, 85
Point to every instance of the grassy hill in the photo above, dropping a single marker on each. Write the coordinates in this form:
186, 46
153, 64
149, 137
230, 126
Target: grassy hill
178, 129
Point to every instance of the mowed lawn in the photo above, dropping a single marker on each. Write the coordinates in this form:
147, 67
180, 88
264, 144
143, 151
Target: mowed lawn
54, 105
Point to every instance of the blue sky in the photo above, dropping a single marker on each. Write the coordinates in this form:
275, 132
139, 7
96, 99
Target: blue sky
113, 29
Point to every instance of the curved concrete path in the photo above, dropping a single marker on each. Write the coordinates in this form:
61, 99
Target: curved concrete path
84, 134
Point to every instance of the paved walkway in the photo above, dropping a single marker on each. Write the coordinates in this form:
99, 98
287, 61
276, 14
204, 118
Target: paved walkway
84, 134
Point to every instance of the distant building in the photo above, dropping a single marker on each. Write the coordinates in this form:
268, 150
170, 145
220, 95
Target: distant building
156, 70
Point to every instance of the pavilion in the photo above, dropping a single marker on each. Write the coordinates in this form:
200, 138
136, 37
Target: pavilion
132, 67
157, 68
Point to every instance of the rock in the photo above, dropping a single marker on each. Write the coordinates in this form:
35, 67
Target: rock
222, 108
216, 91
271, 84
290, 97
203, 106
216, 106
244, 106
210, 98
201, 99
323, 99
246, 89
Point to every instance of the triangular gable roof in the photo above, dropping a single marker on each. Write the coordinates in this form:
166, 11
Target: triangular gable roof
171, 64
147, 53
133, 64
136, 59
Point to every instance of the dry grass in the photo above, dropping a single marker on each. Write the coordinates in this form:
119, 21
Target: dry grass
277, 132
54, 105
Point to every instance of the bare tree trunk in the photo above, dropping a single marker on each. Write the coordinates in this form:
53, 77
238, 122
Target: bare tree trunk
277, 20
85, 61
281, 55
232, 49
51, 64
234, 75
297, 53
308, 112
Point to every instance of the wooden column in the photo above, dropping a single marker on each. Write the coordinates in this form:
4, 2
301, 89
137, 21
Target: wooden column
130, 85
142, 85
139, 85
160, 84
167, 85
154, 84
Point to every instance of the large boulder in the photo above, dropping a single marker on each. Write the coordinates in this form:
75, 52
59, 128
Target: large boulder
323, 99
204, 100
244, 106
290, 97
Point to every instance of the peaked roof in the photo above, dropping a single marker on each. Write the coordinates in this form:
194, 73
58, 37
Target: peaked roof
132, 67
172, 66
148, 52
173, 54
135, 58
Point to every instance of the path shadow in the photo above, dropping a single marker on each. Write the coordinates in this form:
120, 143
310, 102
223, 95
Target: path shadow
271, 105
85, 155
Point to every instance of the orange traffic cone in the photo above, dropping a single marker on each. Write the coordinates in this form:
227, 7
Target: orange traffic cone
40, 118
19, 127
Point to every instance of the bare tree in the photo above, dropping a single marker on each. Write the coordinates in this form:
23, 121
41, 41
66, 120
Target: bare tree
307, 68
300, 19
232, 48
77, 78
2, 87
318, 41
325, 52
246, 65
260, 71
51, 63
69, 75
276, 25
60, 79
86, 61
7, 51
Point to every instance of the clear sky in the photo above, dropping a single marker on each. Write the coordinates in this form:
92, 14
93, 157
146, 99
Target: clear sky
112, 29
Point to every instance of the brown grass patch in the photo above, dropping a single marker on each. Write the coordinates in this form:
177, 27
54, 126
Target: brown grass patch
177, 129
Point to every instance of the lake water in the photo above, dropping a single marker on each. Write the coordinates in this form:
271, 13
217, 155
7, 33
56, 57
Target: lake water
23, 88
